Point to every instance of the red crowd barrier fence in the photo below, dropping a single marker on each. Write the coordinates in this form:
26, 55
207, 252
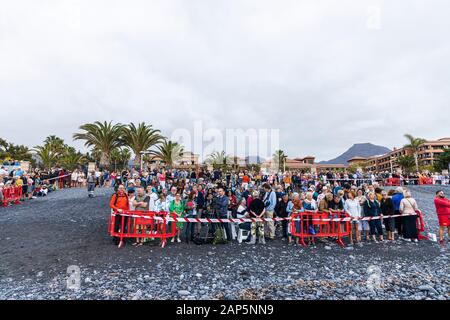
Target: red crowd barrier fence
308, 225
142, 225
393, 182
11, 195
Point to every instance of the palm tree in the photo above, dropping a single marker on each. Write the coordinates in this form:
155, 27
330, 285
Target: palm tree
72, 159
406, 162
169, 152
120, 156
280, 159
124, 156
104, 137
140, 138
56, 144
47, 156
413, 145
218, 160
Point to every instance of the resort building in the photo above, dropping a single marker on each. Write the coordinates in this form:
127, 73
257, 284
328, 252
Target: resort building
428, 153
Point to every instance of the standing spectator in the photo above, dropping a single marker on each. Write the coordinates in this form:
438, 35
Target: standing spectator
91, 182
397, 197
387, 209
281, 211
270, 201
372, 209
408, 205
119, 203
191, 212
177, 206
353, 208
221, 209
257, 210
74, 178
443, 212
140, 203
152, 198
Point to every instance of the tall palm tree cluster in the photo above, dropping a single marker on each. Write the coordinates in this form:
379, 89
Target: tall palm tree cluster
111, 145
114, 144
54, 152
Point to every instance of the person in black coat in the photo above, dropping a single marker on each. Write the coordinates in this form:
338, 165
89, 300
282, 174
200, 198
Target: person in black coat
281, 211
372, 209
387, 209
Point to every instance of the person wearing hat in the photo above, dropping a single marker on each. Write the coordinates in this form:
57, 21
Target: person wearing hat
397, 197
131, 185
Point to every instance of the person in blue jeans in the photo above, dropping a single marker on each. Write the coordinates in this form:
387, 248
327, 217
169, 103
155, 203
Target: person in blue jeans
372, 208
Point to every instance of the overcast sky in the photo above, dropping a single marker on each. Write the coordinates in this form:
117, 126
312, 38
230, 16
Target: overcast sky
326, 73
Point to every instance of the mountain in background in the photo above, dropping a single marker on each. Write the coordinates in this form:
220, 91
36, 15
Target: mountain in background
358, 150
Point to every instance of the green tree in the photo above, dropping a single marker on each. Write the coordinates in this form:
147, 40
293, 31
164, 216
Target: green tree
407, 163
56, 144
120, 158
169, 152
443, 160
279, 159
3, 147
414, 145
219, 160
18, 152
103, 137
141, 138
47, 155
72, 159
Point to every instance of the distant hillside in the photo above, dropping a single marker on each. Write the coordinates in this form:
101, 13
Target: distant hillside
358, 150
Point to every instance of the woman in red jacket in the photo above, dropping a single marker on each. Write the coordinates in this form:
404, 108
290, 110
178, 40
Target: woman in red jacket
443, 212
120, 203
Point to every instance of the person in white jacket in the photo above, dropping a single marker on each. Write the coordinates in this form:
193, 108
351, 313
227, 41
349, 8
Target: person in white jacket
353, 208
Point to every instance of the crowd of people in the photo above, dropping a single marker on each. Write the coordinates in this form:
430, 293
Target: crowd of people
239, 194
242, 194
37, 183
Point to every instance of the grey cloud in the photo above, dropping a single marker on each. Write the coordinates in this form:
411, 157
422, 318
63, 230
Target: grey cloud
311, 68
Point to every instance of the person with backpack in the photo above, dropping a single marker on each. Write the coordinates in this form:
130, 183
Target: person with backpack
372, 209
119, 203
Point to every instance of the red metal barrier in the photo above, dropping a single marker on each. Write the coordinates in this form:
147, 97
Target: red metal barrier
393, 182
142, 225
322, 229
425, 181
12, 195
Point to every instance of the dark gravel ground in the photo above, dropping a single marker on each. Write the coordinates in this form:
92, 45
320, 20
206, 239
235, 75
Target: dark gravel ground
43, 237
